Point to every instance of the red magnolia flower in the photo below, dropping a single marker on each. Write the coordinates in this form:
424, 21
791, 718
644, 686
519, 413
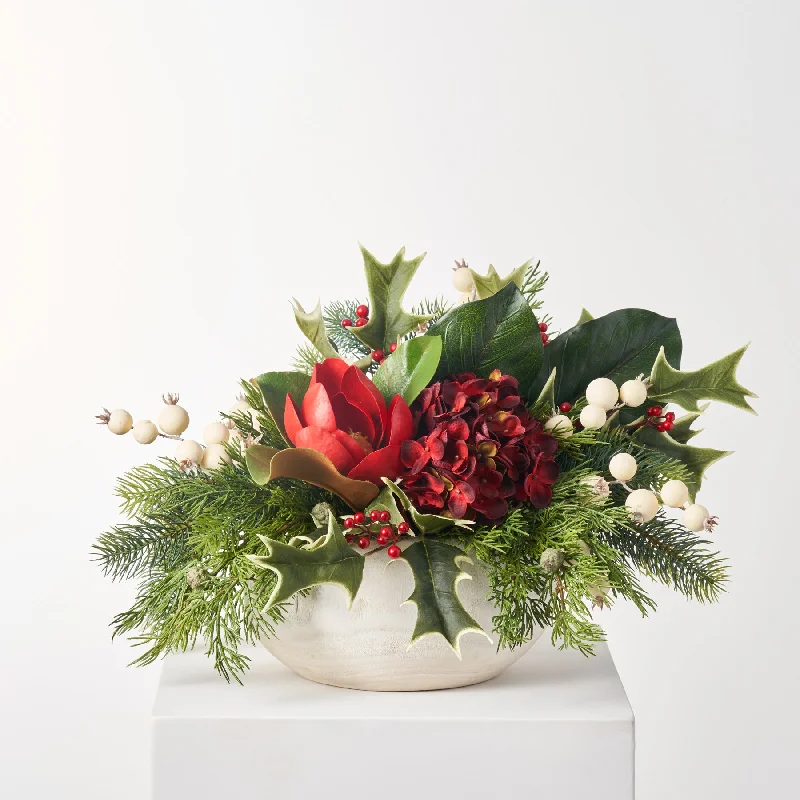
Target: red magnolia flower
344, 417
480, 448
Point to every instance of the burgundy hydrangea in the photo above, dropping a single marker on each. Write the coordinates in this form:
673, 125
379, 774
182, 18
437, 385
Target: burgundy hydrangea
478, 448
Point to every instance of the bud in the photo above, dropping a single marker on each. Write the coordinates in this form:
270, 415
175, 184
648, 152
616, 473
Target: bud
320, 514
551, 560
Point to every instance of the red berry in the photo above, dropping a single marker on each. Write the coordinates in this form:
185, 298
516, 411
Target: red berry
654, 411
361, 322
381, 361
662, 426
374, 515
378, 355
359, 518
382, 540
545, 338
392, 347
393, 551
349, 538
542, 326
670, 416
347, 322
403, 527
362, 311
385, 531
565, 408
385, 516
349, 522
668, 425
363, 542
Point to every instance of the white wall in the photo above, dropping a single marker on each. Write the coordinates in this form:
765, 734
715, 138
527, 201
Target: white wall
172, 172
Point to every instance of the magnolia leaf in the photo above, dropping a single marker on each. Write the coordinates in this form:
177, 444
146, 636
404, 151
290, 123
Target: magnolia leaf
409, 369
426, 523
716, 381
313, 327
385, 501
274, 387
696, 459
584, 317
437, 572
621, 346
267, 463
500, 332
387, 285
328, 560
547, 397
681, 430
492, 283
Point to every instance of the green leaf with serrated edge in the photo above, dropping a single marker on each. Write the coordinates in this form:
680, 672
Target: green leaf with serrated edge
328, 560
716, 381
492, 283
621, 346
436, 567
584, 317
681, 430
385, 501
312, 325
696, 459
425, 523
274, 387
387, 285
500, 332
409, 369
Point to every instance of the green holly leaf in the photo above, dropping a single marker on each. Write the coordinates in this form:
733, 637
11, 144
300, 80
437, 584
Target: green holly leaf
327, 560
313, 327
409, 369
500, 332
387, 285
682, 427
426, 523
492, 283
696, 459
584, 317
437, 572
716, 381
274, 387
385, 501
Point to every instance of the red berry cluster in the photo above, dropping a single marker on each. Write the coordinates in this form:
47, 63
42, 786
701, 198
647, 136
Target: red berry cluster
543, 333
362, 314
384, 535
660, 421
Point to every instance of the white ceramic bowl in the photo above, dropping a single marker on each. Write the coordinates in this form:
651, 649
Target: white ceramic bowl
367, 646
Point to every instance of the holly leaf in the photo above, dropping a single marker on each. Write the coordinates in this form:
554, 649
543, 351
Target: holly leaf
266, 464
696, 459
387, 285
437, 572
425, 523
409, 369
716, 381
682, 427
312, 325
327, 560
492, 283
275, 385
500, 332
385, 501
584, 317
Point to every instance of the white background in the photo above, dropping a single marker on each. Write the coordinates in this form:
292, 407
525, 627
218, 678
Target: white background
172, 172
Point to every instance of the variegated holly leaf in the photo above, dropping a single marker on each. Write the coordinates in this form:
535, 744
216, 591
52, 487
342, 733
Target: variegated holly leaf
437, 572
682, 427
492, 283
274, 387
313, 327
696, 459
385, 501
387, 285
329, 559
425, 523
716, 381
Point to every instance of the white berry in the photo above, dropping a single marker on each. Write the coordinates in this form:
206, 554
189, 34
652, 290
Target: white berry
215, 433
243, 407
559, 424
462, 280
643, 504
695, 516
599, 486
593, 416
119, 421
602, 392
622, 466
173, 419
145, 432
189, 450
214, 456
674, 494
633, 393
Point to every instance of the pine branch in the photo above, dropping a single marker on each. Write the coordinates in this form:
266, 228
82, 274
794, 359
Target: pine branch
306, 357
533, 283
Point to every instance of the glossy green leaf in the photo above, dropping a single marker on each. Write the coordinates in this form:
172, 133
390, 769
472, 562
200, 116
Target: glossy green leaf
274, 387
500, 332
696, 459
716, 381
492, 283
437, 572
409, 369
546, 401
682, 427
621, 346
328, 560
387, 285
313, 327
425, 523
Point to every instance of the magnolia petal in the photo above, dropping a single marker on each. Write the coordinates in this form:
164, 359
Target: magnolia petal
351, 445
350, 418
291, 419
360, 391
383, 463
401, 423
330, 373
317, 409
325, 442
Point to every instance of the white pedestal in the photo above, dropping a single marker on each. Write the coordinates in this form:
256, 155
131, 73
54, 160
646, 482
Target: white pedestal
554, 725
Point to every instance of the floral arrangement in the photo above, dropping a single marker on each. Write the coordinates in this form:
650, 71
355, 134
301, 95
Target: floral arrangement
448, 431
